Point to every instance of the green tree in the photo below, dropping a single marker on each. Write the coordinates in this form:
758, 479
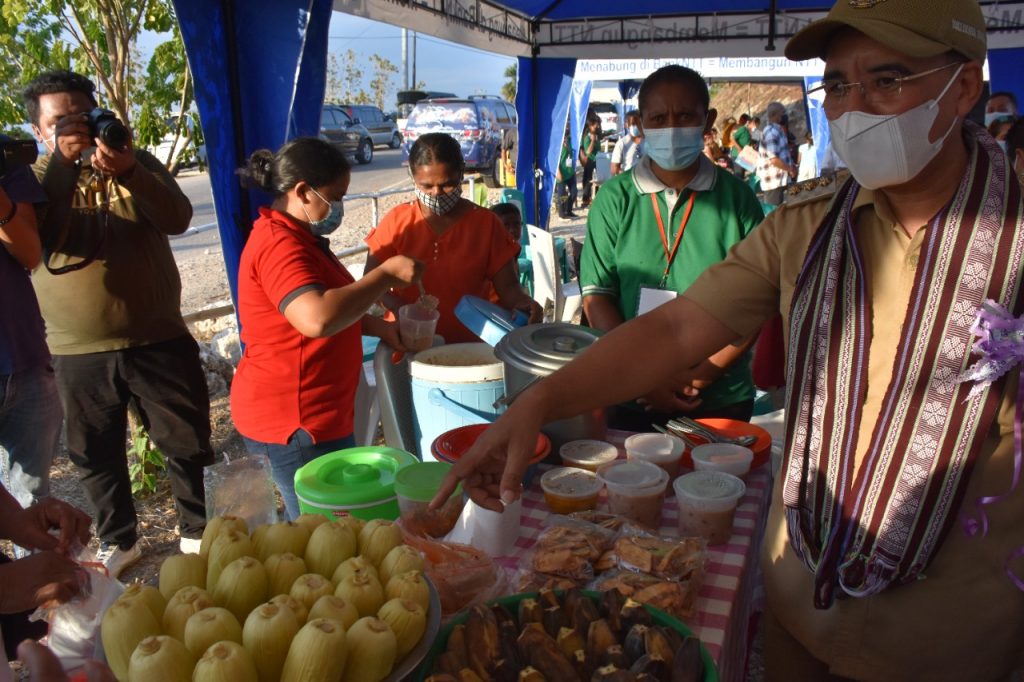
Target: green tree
380, 86
98, 38
508, 89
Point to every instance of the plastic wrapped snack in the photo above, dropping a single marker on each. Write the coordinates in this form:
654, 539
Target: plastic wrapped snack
568, 549
462, 574
666, 558
677, 598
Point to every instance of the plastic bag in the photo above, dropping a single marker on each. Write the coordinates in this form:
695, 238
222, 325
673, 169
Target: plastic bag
665, 558
463, 575
241, 487
569, 548
676, 598
75, 625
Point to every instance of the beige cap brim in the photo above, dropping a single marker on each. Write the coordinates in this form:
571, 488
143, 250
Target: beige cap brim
812, 41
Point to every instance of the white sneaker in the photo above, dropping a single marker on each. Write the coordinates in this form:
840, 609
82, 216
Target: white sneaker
117, 559
190, 545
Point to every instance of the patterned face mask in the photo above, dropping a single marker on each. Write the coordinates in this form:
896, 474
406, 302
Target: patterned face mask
442, 203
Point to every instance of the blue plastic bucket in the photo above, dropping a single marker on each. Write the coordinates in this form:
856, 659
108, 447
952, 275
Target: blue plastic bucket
453, 386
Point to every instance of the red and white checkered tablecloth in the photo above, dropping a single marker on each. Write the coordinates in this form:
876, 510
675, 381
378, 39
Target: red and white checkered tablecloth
732, 579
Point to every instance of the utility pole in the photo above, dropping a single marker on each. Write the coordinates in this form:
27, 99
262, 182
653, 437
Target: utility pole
414, 81
405, 59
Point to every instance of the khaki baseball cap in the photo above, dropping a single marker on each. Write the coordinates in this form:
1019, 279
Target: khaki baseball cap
918, 28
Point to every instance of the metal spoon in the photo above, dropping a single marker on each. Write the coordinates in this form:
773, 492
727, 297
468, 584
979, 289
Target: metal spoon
687, 425
426, 300
675, 434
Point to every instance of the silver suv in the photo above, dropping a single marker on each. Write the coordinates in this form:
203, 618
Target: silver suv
338, 127
382, 127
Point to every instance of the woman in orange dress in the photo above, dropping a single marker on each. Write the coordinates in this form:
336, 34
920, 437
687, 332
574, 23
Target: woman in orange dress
461, 245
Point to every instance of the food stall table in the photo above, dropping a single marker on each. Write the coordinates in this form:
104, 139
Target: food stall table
727, 597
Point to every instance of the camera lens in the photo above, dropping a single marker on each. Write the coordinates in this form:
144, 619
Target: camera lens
113, 133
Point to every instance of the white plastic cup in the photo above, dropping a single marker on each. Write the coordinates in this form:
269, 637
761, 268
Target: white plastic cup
727, 457
636, 490
707, 504
416, 325
588, 454
659, 449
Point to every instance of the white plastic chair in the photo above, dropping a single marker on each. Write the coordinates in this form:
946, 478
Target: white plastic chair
547, 279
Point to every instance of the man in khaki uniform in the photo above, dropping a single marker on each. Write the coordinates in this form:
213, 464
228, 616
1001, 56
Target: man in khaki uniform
892, 548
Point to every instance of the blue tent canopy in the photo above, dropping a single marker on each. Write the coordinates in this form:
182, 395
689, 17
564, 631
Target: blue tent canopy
259, 66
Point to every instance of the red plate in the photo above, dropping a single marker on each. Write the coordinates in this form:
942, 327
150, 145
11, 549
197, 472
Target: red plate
734, 428
450, 445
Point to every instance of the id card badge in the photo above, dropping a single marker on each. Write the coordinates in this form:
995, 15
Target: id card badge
652, 298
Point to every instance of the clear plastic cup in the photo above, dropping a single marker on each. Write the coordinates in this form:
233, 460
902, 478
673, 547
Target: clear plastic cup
707, 504
588, 454
568, 489
416, 325
415, 486
657, 448
728, 457
636, 490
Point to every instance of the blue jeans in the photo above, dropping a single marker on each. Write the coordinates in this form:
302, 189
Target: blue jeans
286, 459
30, 421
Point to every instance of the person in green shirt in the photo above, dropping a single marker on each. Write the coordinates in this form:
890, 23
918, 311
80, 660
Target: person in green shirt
589, 147
654, 229
565, 176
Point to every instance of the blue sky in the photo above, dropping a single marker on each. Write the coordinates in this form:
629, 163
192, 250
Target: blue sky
440, 64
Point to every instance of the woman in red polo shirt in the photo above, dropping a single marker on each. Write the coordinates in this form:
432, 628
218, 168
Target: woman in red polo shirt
302, 314
462, 245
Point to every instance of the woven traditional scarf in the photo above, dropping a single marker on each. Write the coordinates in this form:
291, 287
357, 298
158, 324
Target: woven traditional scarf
860, 533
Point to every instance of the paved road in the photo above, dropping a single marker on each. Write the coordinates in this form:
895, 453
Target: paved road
384, 172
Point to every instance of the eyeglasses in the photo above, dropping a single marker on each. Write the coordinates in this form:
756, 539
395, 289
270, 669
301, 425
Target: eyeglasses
883, 86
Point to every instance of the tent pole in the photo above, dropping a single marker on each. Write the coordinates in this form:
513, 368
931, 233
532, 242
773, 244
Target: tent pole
537, 177
773, 7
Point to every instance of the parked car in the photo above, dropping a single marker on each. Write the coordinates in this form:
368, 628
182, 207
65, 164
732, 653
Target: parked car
609, 116
191, 153
353, 138
477, 123
382, 127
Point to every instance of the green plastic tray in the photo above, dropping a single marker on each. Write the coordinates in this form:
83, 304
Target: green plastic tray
511, 602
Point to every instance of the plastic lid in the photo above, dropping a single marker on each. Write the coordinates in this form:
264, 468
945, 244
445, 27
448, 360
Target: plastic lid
541, 349
592, 452
632, 477
657, 448
724, 456
570, 482
354, 477
488, 321
420, 481
709, 490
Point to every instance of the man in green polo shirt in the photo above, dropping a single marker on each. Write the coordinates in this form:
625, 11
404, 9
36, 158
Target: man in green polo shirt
654, 229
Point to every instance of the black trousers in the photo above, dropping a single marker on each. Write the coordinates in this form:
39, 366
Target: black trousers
165, 381
565, 197
588, 185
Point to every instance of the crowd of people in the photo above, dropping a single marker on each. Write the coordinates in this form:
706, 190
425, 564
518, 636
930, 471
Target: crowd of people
881, 283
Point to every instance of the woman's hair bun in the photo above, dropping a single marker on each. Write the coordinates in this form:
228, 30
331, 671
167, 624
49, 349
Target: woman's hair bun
259, 171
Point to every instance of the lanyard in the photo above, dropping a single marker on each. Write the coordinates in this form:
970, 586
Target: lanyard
671, 255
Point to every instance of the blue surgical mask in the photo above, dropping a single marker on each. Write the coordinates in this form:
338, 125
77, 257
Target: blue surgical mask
674, 148
634, 131
1002, 145
330, 222
993, 116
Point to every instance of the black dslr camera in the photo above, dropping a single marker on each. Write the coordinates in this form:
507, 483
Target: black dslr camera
103, 124
16, 153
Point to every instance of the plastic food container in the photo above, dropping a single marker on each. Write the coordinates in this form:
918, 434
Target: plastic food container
636, 490
415, 487
416, 325
728, 457
588, 454
568, 489
357, 482
707, 504
657, 448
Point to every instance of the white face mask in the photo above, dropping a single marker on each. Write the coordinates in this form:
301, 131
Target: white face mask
887, 150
